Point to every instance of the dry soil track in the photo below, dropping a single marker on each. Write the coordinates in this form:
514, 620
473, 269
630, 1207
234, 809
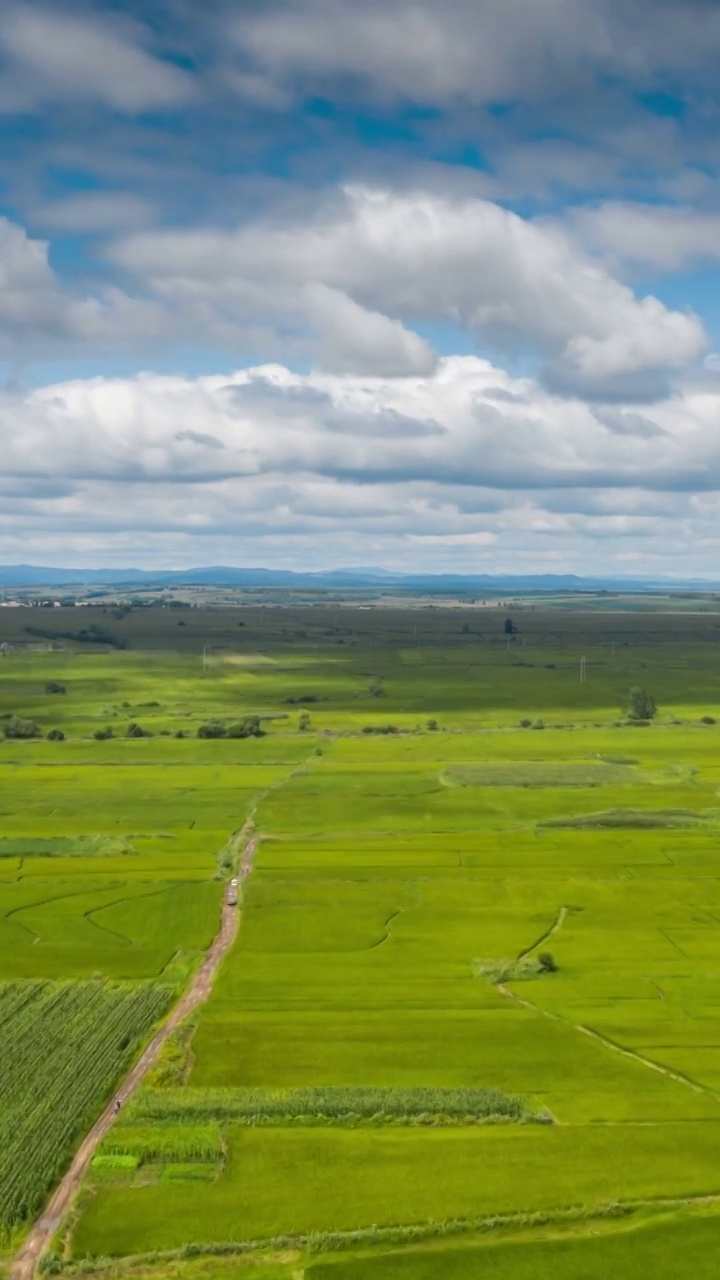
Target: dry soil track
25, 1263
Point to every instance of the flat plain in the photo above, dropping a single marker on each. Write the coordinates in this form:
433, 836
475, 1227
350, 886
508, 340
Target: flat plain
388, 1078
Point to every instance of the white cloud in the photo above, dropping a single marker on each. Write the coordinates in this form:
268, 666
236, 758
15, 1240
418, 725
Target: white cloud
275, 466
478, 51
357, 340
53, 56
38, 313
412, 256
95, 211
668, 237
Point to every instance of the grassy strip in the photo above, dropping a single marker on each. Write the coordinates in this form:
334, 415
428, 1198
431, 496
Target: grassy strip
329, 1105
335, 1241
640, 819
497, 971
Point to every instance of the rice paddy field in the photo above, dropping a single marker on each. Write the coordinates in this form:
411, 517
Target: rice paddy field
471, 1023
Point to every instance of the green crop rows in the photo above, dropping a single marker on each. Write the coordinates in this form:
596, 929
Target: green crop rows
64, 1045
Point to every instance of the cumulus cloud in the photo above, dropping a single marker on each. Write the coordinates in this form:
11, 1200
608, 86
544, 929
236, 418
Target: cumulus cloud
55, 55
367, 262
357, 340
35, 310
334, 468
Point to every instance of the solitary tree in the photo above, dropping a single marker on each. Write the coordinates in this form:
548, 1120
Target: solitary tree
642, 705
509, 627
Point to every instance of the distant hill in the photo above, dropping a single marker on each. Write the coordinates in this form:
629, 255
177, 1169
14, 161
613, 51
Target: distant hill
25, 575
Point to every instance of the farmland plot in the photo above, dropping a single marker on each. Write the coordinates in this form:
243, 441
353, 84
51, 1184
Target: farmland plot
64, 1046
334, 1093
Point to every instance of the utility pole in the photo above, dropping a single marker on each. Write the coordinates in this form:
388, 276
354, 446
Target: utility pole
583, 670
206, 649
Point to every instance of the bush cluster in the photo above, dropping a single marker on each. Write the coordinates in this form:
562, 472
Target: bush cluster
250, 727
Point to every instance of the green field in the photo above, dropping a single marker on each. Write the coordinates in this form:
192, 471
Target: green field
365, 1091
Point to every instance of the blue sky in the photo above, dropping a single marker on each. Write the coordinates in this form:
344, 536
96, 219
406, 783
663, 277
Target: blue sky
317, 283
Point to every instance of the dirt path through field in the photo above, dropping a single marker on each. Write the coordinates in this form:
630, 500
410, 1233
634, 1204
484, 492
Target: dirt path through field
26, 1261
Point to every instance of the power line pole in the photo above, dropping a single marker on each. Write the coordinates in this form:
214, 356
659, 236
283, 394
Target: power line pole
206, 648
583, 670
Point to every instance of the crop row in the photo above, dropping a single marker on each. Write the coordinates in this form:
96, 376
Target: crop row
63, 1050
268, 1106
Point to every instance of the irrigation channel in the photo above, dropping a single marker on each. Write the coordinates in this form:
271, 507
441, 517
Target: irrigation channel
25, 1264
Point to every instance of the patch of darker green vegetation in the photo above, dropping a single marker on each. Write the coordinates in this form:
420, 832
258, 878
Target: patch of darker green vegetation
70, 1042
331, 1104
542, 774
640, 819
249, 727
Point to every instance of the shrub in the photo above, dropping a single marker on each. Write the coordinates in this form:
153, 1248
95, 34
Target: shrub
432, 725
380, 728
103, 735
56, 735
538, 724
525, 724
16, 727
708, 720
304, 722
53, 686
547, 962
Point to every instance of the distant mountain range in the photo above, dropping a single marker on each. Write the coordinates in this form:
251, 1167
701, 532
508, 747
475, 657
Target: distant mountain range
25, 575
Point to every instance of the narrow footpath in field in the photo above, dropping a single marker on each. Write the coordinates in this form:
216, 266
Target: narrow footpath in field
25, 1263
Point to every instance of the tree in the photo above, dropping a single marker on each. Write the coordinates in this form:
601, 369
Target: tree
56, 735
509, 627
136, 731
642, 705
103, 735
304, 721
547, 962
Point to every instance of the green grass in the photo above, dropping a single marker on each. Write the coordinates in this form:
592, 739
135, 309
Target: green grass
387, 866
287, 1181
666, 1250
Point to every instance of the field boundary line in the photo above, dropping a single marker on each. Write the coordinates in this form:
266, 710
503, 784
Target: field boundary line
25, 1263
609, 1044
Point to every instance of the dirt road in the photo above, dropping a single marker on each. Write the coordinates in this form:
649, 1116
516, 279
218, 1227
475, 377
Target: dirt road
24, 1265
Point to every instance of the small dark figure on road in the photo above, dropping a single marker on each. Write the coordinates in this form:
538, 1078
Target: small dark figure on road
116, 1106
